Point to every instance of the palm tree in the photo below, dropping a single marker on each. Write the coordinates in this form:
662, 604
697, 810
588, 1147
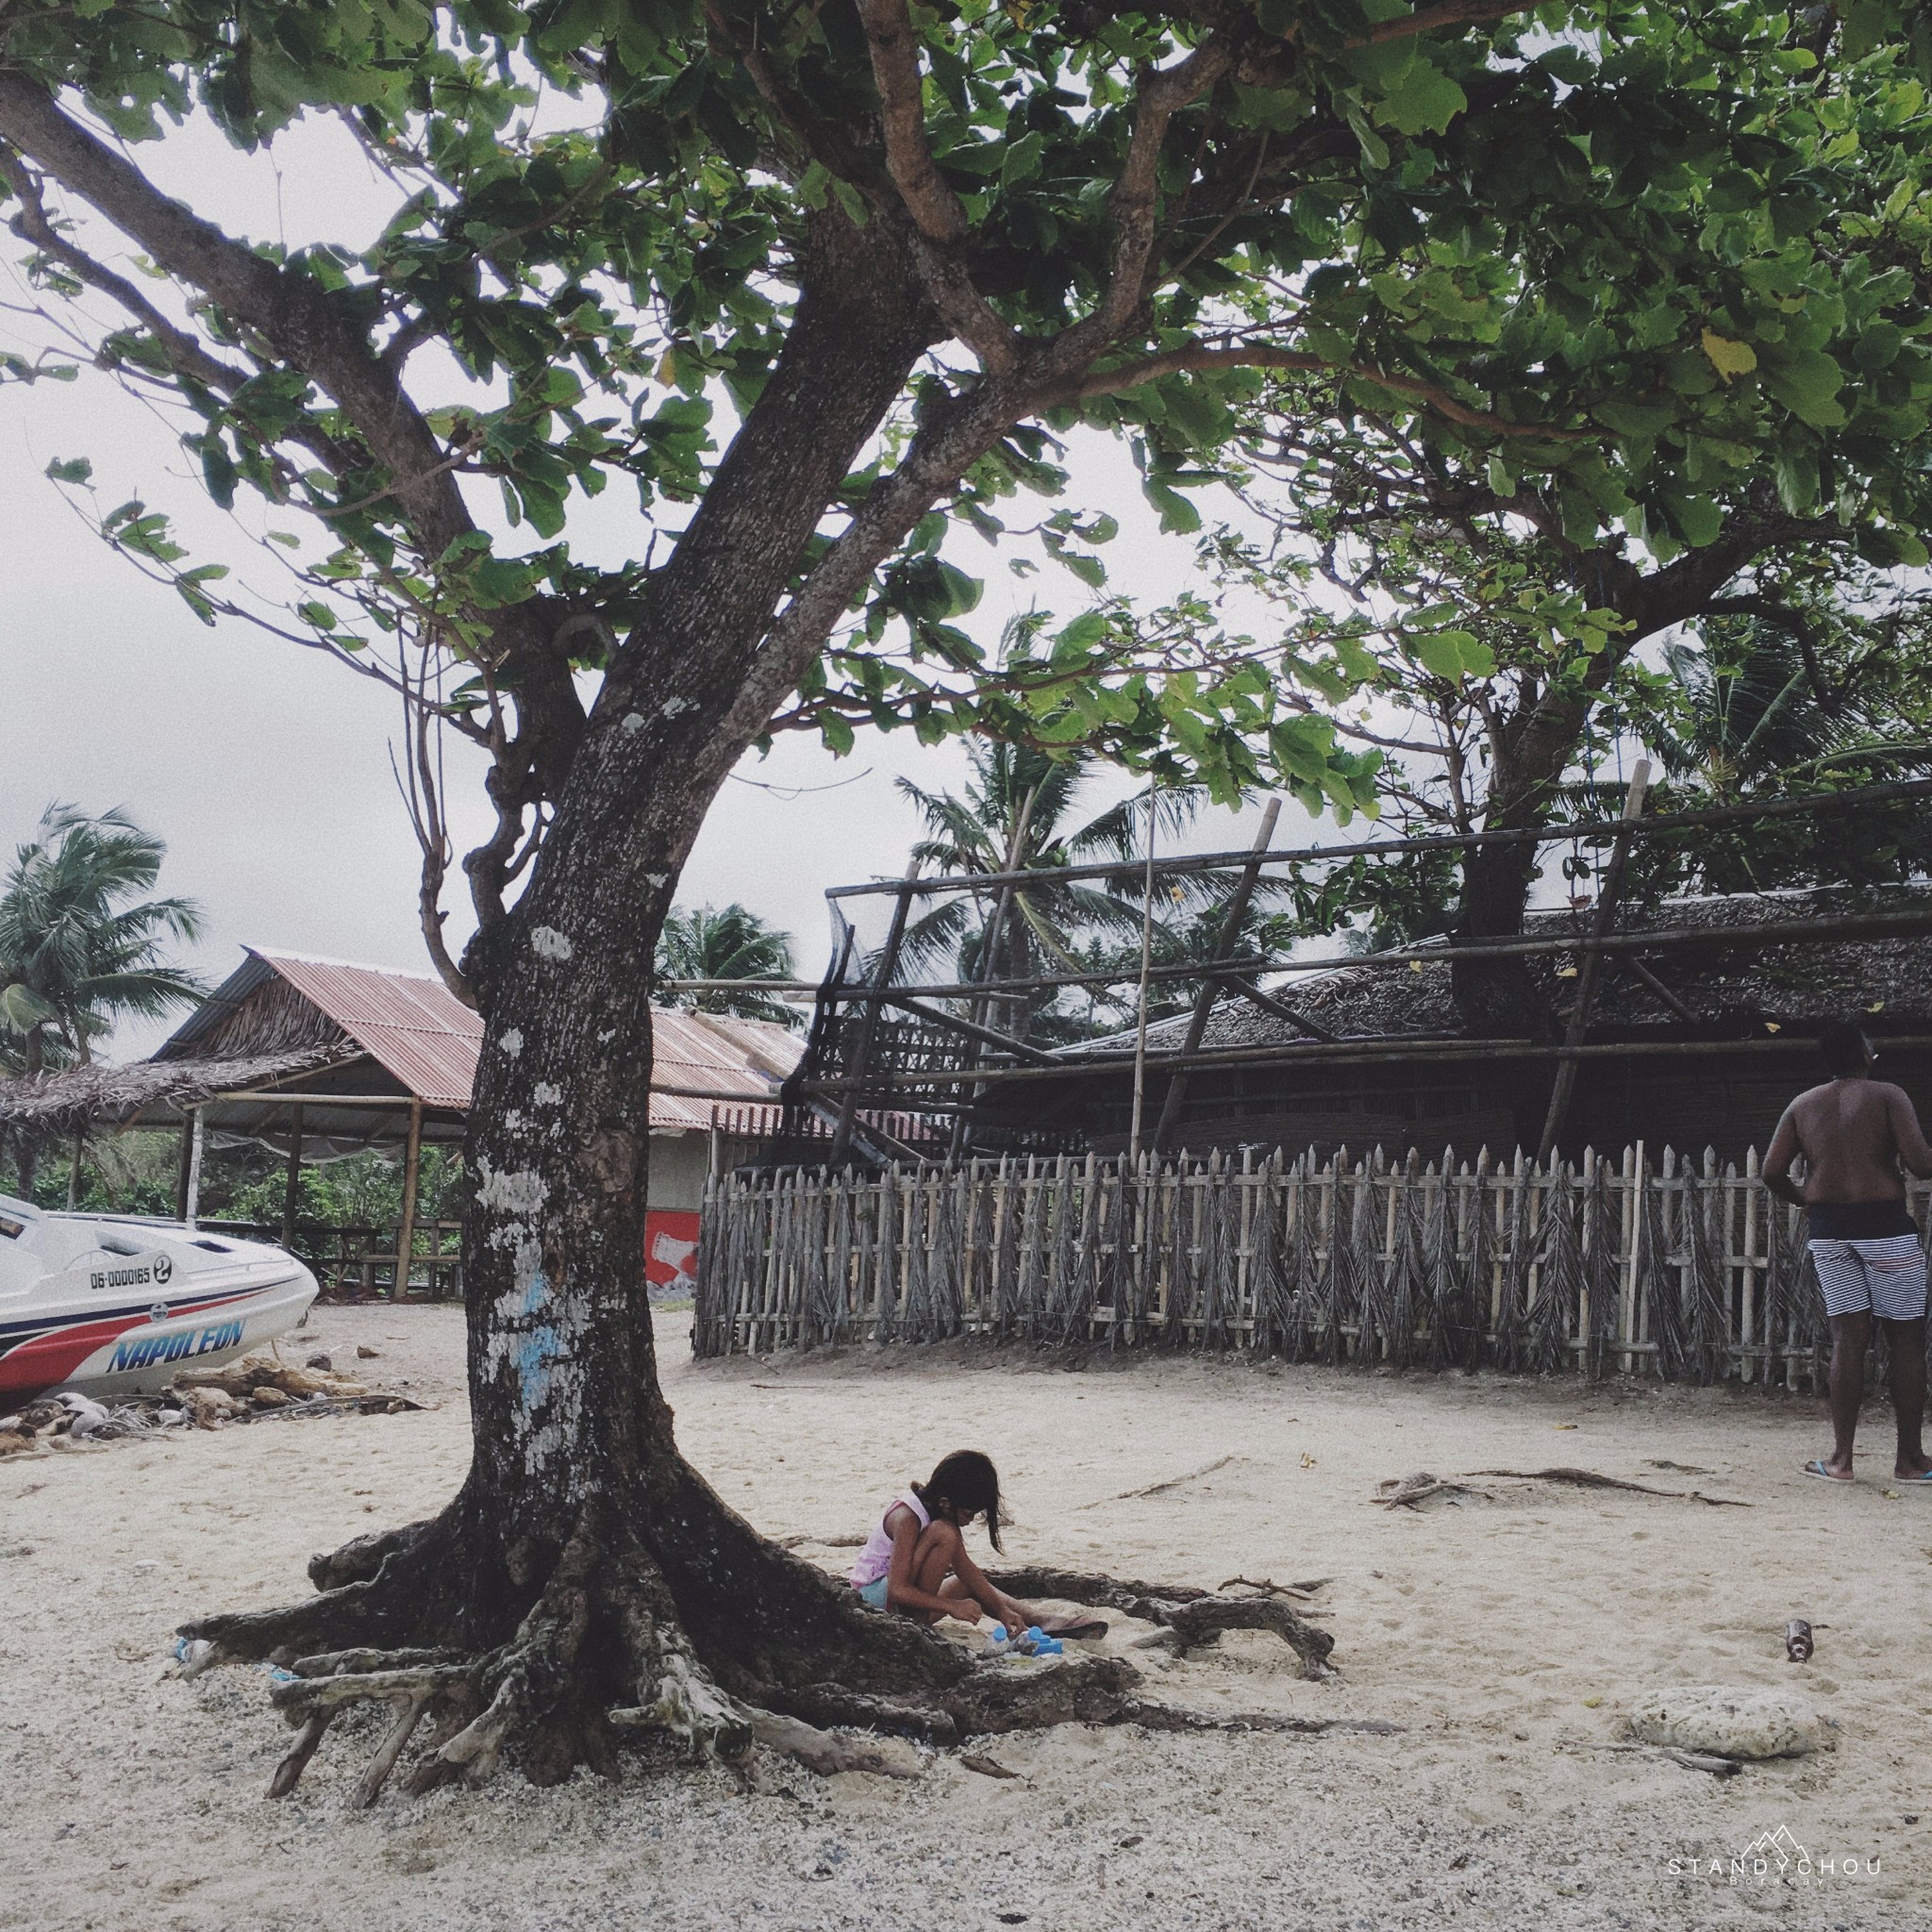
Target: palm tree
702, 943
1012, 817
1760, 714
75, 957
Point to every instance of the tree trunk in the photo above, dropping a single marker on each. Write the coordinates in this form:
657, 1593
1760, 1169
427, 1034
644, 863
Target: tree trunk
586, 1584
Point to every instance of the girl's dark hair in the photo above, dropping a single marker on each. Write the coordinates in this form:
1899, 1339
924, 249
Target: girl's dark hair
971, 1483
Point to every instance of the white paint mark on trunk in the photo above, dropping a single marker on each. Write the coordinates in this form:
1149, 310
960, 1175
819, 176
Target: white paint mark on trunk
545, 1094
510, 1191
511, 1042
548, 944
536, 1333
656, 878
671, 706
633, 720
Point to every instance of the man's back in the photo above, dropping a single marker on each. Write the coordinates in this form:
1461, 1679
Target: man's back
1847, 1132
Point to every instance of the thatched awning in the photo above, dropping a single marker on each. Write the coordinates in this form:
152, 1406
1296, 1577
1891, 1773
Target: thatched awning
78, 1099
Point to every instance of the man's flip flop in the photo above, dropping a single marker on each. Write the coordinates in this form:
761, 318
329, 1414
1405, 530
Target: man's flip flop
1925, 1479
1816, 1467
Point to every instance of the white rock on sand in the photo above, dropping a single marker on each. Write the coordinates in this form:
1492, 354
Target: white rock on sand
1727, 1723
1507, 1637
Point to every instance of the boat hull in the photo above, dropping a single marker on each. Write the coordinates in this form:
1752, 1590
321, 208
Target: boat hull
126, 1322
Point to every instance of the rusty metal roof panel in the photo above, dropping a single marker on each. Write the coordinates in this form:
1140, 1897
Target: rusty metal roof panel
720, 1054
428, 1039
410, 1022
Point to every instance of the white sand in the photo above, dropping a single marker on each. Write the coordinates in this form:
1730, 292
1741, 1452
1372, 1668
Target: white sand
1489, 1632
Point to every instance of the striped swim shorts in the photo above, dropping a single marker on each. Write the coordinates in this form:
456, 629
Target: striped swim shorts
1885, 1276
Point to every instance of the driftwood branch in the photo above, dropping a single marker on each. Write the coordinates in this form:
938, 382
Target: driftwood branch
1590, 1479
1195, 1616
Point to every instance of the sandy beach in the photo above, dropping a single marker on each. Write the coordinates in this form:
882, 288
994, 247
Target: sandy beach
1506, 1636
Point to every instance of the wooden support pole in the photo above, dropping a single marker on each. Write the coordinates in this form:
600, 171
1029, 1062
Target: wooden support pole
1146, 969
183, 1166
291, 1183
1211, 988
859, 1068
1268, 1004
191, 1190
412, 1162
1609, 890
982, 1011
74, 1172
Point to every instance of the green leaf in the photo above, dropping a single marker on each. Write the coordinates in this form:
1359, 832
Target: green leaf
1423, 98
71, 469
1878, 345
1807, 385
1636, 419
1178, 517
852, 202
1730, 359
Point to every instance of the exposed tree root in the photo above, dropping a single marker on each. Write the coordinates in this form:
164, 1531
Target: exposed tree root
1195, 1616
701, 1643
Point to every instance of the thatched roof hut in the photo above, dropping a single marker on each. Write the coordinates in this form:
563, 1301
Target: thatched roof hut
315, 1059
1698, 1040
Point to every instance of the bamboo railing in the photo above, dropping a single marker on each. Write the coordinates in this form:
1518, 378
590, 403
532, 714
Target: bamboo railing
1670, 1268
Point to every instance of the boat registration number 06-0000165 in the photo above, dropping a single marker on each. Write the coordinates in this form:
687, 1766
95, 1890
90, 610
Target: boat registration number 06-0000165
158, 1273
147, 1350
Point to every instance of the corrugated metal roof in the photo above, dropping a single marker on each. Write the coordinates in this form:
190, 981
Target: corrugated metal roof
410, 1022
428, 1039
719, 1051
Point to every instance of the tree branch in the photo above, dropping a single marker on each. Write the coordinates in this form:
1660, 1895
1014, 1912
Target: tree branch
1426, 20
949, 444
289, 309
1198, 356
939, 221
1796, 624
1161, 93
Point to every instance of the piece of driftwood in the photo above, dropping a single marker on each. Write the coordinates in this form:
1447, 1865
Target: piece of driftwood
1270, 1587
1173, 1482
1161, 1717
1195, 1616
1411, 1492
986, 1766
1691, 1760
1590, 1479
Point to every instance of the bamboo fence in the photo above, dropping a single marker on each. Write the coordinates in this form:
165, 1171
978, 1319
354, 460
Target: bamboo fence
1673, 1269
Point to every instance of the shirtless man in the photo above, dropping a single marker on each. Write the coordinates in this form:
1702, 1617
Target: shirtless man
1856, 1133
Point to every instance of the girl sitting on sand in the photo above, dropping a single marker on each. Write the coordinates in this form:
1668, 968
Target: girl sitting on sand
915, 1559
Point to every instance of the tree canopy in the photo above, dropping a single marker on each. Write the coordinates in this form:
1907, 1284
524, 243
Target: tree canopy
1649, 278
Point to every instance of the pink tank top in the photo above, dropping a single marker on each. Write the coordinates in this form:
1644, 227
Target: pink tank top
875, 1558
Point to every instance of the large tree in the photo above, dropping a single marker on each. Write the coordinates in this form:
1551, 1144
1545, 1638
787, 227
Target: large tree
1490, 615
890, 253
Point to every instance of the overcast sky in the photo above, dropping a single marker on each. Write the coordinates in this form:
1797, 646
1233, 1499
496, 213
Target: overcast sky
266, 768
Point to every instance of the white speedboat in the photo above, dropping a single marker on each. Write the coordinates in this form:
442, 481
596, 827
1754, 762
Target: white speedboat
113, 1304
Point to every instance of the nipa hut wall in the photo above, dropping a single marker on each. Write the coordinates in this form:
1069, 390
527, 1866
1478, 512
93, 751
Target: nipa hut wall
1680, 1269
